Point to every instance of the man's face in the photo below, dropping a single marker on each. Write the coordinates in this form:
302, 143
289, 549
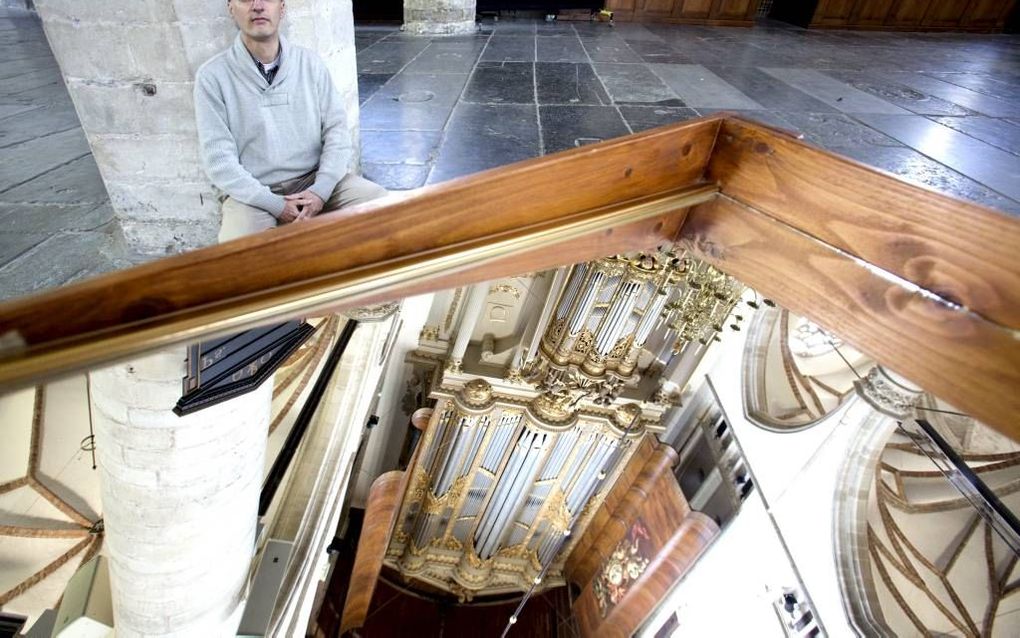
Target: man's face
257, 19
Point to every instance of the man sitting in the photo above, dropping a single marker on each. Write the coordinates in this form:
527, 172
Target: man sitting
272, 129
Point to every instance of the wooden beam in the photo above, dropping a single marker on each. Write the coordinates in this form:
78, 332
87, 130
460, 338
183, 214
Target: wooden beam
380, 513
965, 253
621, 195
949, 350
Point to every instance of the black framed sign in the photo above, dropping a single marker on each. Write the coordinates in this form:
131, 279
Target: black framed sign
228, 367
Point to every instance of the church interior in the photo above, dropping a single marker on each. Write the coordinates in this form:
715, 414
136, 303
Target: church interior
682, 318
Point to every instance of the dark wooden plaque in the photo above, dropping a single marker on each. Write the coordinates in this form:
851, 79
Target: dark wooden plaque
228, 367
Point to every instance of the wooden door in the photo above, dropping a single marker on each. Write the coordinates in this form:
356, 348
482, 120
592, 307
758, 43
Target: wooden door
945, 13
733, 9
987, 14
621, 5
907, 13
833, 12
693, 9
656, 8
869, 13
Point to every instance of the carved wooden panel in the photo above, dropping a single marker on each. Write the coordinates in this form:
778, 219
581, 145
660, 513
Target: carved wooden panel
649, 541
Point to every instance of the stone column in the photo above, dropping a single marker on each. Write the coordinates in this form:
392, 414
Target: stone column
180, 498
472, 308
439, 17
130, 66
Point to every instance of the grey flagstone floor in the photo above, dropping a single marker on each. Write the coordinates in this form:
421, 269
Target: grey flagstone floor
942, 110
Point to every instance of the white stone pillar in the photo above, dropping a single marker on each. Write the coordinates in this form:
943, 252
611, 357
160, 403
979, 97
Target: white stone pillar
180, 498
439, 17
130, 68
472, 308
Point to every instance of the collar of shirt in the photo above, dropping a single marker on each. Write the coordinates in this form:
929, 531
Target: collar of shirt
269, 70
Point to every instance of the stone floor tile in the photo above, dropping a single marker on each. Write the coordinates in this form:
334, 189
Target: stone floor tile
511, 26
34, 157
77, 182
997, 132
561, 48
698, 87
447, 57
554, 28
13, 245
901, 95
61, 259
973, 100
369, 83
609, 49
507, 83
989, 165
389, 57
399, 147
767, 92
47, 219
567, 127
36, 122
1005, 86
413, 102
396, 177
833, 130
657, 51
915, 167
635, 84
483, 136
831, 91
641, 118
510, 48
566, 83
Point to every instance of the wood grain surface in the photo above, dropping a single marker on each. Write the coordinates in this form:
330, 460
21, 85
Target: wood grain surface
950, 351
962, 252
368, 251
677, 537
380, 512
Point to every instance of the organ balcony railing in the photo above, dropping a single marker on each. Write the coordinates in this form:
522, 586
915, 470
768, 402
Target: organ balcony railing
925, 284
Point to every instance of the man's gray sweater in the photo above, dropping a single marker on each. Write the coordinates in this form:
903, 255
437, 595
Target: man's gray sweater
253, 134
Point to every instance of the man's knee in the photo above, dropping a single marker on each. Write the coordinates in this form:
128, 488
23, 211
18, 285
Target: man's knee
240, 220
354, 189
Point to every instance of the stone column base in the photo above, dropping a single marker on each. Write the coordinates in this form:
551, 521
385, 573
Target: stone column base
423, 27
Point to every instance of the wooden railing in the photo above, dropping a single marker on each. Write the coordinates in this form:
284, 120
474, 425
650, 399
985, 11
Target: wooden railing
924, 283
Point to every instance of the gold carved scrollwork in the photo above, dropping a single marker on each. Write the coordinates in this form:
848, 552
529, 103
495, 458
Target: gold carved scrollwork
622, 347
429, 333
559, 515
449, 543
436, 504
514, 376
584, 342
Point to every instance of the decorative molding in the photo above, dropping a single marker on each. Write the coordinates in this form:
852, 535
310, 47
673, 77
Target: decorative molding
506, 289
369, 314
885, 395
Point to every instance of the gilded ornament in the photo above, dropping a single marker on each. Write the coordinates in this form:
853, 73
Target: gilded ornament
626, 414
429, 333
505, 288
453, 365
476, 393
514, 376
552, 407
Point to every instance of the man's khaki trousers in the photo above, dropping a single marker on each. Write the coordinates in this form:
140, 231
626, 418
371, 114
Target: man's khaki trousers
241, 219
